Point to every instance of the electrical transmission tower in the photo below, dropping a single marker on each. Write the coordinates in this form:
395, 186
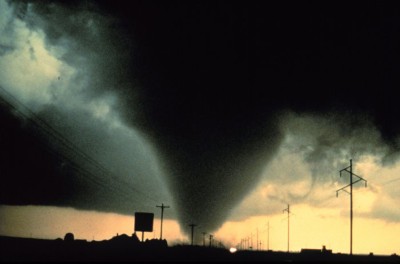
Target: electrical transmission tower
288, 225
349, 169
162, 206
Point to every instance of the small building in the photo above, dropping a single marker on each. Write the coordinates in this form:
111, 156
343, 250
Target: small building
316, 251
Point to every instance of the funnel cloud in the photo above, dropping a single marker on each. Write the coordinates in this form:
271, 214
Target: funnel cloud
203, 93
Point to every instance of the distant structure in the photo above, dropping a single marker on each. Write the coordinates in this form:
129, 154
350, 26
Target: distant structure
316, 251
349, 169
69, 237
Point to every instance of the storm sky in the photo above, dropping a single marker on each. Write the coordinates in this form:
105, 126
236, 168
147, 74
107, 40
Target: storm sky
188, 102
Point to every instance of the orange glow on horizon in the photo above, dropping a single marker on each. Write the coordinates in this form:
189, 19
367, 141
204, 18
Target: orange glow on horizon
309, 228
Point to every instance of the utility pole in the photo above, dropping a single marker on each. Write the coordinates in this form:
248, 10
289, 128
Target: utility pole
257, 239
288, 225
268, 236
192, 226
349, 169
204, 239
162, 206
211, 237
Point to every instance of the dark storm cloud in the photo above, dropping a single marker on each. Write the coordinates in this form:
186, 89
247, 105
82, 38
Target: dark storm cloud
90, 39
41, 149
116, 173
327, 142
208, 81
215, 77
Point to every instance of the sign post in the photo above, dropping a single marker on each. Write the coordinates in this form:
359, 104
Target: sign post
144, 222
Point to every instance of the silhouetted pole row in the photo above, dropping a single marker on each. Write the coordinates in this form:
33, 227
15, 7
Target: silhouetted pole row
350, 170
246, 243
162, 206
192, 226
288, 225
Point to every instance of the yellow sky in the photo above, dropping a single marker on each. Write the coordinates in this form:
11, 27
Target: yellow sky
309, 228
313, 228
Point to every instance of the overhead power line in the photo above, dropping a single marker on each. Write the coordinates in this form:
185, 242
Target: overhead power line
71, 153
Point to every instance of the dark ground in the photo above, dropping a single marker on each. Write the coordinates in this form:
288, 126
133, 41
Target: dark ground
123, 248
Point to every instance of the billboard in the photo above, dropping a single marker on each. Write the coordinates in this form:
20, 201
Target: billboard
144, 222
